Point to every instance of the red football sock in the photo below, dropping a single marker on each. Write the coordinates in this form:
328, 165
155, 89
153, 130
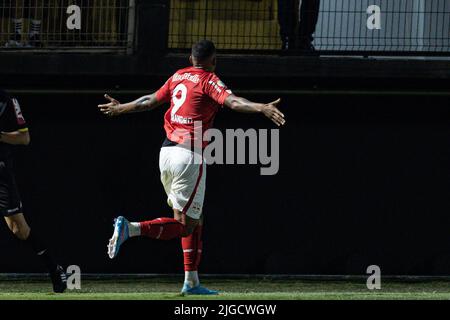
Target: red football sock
192, 249
162, 228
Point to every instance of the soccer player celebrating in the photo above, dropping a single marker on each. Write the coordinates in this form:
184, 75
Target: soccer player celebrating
15, 132
195, 95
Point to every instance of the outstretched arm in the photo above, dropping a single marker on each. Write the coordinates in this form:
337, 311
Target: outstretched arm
115, 108
243, 105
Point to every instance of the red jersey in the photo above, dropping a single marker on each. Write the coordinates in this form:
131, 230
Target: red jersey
195, 97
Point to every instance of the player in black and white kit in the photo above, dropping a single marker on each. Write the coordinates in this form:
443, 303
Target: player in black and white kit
14, 131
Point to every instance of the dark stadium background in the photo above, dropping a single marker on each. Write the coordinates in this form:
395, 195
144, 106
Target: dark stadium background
364, 165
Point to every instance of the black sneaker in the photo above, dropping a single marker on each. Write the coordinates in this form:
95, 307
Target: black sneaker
307, 48
59, 280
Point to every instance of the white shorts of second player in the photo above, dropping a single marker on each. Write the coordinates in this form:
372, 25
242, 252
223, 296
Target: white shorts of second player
183, 175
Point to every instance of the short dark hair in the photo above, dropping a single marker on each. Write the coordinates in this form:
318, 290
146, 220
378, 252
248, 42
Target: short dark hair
203, 50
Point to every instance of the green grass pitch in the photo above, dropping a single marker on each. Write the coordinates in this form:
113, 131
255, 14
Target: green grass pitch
241, 289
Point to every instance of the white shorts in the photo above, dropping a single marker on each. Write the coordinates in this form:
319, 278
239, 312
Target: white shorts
183, 175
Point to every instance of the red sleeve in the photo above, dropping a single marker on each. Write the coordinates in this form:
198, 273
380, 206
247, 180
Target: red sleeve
163, 94
217, 90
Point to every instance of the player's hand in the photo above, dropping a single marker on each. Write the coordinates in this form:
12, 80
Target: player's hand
110, 109
271, 111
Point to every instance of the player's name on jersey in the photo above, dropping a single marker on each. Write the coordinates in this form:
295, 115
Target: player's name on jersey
180, 119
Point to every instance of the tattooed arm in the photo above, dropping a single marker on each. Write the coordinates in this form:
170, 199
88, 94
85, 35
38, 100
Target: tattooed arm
270, 110
115, 108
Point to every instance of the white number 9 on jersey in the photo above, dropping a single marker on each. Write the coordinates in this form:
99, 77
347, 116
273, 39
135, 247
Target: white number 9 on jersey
178, 102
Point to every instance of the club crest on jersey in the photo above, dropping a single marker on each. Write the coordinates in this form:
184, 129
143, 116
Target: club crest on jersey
18, 111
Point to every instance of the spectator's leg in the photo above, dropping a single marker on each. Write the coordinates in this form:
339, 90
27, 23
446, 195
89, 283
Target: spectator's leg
287, 13
309, 14
36, 10
17, 7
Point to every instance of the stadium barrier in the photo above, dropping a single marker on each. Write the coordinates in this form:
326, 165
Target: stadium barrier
348, 27
344, 27
67, 25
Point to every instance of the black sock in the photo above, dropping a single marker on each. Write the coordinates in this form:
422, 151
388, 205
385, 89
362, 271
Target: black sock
42, 252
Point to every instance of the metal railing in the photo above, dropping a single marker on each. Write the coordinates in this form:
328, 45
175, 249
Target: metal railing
342, 26
74, 25
419, 27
